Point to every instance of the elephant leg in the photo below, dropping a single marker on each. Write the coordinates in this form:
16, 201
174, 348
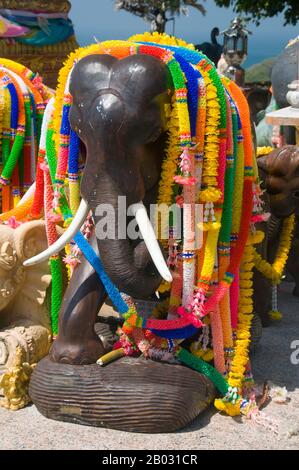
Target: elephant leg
293, 265
77, 342
262, 297
262, 285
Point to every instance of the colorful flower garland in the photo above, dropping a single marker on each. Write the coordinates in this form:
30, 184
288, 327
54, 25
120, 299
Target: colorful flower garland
23, 102
261, 151
23, 99
274, 271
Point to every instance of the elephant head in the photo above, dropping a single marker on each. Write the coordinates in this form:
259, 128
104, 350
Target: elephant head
118, 113
279, 171
17, 281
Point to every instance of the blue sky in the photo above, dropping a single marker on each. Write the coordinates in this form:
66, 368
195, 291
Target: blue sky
98, 18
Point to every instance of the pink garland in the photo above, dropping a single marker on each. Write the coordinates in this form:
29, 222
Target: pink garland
48, 200
217, 335
222, 164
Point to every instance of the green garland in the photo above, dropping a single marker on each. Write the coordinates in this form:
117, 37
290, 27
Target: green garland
204, 368
227, 214
52, 161
56, 293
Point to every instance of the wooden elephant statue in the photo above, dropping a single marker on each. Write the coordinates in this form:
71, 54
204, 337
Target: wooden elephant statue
25, 330
279, 172
152, 125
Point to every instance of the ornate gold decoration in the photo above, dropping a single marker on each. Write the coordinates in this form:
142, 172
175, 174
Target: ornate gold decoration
14, 383
46, 60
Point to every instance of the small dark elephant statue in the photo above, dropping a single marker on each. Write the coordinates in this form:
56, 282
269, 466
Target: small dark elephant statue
212, 49
279, 172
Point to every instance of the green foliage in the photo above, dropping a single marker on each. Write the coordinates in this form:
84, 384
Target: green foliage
260, 72
143, 6
155, 11
260, 9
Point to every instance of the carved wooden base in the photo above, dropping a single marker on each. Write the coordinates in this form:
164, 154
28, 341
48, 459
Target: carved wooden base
131, 394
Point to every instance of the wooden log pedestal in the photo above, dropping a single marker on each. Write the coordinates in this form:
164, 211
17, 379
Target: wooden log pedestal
130, 394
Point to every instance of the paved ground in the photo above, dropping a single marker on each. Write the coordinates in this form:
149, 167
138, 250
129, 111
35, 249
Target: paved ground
27, 429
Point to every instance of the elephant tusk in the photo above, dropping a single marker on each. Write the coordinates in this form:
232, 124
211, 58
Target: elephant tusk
149, 237
65, 238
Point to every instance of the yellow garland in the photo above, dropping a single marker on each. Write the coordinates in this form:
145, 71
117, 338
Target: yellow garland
275, 270
256, 237
24, 72
211, 145
7, 108
205, 354
245, 315
164, 287
210, 248
173, 152
264, 151
275, 315
159, 38
14, 66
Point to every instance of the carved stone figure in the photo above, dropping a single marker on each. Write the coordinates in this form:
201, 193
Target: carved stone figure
24, 318
284, 72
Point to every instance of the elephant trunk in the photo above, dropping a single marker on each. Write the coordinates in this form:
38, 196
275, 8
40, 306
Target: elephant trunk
131, 264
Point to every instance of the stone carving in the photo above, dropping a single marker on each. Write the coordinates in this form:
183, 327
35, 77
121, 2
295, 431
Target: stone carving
24, 321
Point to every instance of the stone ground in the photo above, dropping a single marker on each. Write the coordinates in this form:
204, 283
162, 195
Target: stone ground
27, 429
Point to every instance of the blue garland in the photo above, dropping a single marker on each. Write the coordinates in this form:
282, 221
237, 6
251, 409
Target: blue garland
96, 263
179, 333
73, 153
192, 77
14, 106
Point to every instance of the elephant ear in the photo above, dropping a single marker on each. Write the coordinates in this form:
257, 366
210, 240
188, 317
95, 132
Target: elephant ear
137, 77
30, 239
262, 163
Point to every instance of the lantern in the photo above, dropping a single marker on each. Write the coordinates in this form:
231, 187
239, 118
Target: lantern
235, 48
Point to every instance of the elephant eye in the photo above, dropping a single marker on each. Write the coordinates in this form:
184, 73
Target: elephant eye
296, 194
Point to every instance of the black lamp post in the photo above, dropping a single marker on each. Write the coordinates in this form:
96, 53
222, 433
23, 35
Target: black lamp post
235, 48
